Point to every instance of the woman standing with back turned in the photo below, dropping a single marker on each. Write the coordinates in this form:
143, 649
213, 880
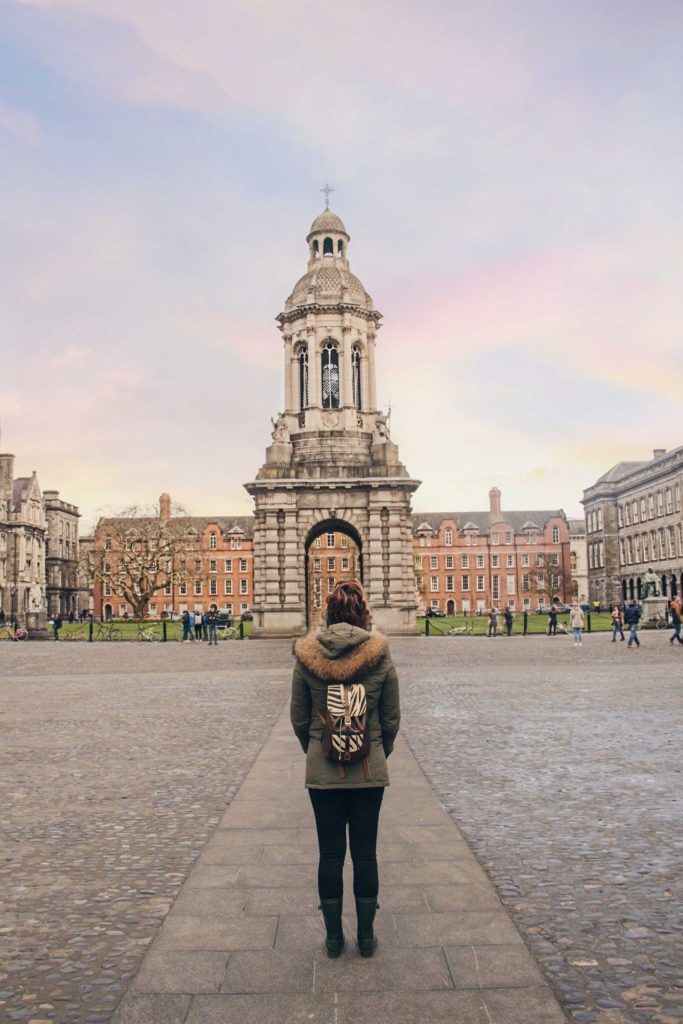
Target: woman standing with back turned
348, 670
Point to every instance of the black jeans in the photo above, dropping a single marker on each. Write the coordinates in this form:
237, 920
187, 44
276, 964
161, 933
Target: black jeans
334, 809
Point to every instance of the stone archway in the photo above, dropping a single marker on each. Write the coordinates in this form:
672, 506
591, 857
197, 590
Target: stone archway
333, 551
450, 607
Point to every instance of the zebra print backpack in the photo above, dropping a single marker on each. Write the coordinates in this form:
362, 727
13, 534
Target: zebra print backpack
346, 737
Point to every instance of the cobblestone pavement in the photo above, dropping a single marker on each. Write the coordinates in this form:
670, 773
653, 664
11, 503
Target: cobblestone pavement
563, 768
116, 763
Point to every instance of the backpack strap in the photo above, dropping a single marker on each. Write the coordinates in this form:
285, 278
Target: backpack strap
366, 770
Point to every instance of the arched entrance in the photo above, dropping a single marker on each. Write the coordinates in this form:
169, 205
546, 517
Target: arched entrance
639, 588
664, 586
450, 607
107, 612
333, 552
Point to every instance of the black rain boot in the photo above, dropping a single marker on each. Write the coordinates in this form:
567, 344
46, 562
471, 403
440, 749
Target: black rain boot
332, 916
365, 912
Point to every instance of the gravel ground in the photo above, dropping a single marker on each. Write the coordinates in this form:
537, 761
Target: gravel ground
563, 767
116, 763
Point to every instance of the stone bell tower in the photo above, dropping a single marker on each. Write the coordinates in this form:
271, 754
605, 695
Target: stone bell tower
332, 465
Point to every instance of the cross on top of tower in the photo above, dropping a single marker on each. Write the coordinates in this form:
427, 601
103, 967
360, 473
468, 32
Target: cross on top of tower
327, 191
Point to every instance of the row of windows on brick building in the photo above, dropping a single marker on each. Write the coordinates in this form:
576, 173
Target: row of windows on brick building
479, 561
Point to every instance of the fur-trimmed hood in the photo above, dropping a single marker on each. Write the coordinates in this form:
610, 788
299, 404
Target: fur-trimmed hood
341, 652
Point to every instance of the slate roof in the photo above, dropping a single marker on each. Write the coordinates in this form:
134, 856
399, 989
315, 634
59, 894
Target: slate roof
226, 524
484, 521
620, 470
20, 488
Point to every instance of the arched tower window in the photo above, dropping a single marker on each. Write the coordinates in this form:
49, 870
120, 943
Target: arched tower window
340, 247
316, 249
328, 247
330, 376
303, 378
355, 366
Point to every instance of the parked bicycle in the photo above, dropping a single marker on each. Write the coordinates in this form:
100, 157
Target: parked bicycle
228, 632
466, 630
79, 633
108, 631
7, 633
148, 633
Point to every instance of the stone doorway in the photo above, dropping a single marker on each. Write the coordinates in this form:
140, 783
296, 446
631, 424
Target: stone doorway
333, 553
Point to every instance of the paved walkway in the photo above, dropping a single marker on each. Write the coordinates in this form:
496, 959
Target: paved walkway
244, 940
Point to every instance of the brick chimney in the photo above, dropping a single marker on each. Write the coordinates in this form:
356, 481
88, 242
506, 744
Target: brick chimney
494, 501
165, 506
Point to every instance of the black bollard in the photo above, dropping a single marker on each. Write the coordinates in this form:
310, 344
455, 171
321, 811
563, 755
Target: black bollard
241, 629
526, 622
588, 622
164, 635
91, 625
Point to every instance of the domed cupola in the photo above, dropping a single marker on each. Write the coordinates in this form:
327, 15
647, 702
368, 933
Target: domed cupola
328, 280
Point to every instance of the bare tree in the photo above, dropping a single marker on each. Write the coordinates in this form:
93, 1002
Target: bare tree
548, 578
138, 553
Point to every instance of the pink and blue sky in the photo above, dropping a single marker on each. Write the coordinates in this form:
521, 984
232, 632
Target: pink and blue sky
511, 175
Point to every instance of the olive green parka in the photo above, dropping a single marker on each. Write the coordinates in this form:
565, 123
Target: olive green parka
343, 653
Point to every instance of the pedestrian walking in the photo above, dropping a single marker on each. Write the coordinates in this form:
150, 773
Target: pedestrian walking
197, 617
56, 625
211, 624
345, 713
617, 623
675, 611
576, 623
187, 626
552, 622
508, 616
493, 623
205, 626
632, 620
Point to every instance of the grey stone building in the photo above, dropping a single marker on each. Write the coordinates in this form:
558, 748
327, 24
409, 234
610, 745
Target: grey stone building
578, 554
61, 555
22, 548
332, 467
633, 522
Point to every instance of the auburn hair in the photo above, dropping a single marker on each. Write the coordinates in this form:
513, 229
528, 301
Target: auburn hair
348, 603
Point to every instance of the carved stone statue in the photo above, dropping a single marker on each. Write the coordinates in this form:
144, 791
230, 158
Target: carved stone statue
280, 431
651, 584
382, 427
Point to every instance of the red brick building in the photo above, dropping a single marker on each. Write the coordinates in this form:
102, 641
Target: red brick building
215, 564
473, 561
332, 557
464, 562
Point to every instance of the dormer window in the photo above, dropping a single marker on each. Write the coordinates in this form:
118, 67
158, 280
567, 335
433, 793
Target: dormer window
328, 247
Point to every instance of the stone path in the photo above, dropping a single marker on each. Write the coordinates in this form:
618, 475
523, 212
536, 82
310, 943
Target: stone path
243, 941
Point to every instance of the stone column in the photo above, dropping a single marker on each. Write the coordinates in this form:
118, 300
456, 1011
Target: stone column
290, 391
347, 387
314, 389
372, 385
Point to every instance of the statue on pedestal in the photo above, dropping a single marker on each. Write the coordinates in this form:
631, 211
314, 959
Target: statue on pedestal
651, 584
280, 431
